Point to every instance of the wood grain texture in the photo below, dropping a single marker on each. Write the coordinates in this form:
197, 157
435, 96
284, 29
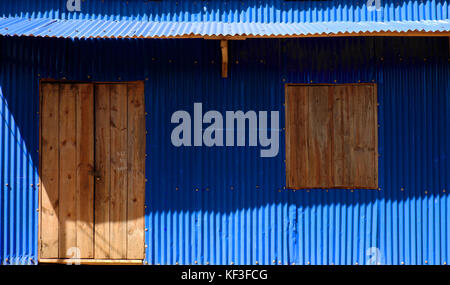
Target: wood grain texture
136, 171
362, 137
341, 134
102, 166
319, 137
375, 131
49, 232
85, 167
224, 49
340, 129
119, 171
94, 261
92, 171
67, 169
297, 139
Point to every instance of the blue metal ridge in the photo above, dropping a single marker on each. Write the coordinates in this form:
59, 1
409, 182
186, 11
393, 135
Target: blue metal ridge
143, 29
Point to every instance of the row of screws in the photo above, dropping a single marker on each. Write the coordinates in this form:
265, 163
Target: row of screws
280, 262
232, 263
258, 187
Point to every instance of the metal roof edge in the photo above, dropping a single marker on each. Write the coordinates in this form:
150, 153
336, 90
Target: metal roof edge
78, 29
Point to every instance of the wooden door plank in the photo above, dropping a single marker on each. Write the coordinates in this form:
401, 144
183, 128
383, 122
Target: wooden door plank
93, 261
136, 171
319, 154
119, 162
49, 170
67, 169
85, 167
102, 167
296, 137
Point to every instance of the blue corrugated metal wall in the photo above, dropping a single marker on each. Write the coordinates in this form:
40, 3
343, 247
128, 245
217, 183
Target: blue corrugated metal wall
228, 205
268, 11
18, 157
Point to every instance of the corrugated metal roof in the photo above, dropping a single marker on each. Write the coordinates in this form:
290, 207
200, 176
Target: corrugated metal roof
76, 28
233, 11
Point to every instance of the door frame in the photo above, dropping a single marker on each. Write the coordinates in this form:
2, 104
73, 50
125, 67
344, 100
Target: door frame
62, 260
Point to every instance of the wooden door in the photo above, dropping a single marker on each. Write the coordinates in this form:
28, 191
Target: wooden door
119, 162
92, 160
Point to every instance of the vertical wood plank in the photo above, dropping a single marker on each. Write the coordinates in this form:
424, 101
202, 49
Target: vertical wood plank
49, 171
375, 134
102, 167
319, 154
362, 139
67, 169
338, 137
85, 167
296, 136
341, 134
119, 163
136, 171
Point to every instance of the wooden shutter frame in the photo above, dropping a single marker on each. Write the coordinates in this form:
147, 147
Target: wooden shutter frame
41, 259
376, 126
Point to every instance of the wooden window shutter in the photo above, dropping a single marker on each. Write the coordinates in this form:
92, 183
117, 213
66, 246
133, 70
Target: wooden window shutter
331, 136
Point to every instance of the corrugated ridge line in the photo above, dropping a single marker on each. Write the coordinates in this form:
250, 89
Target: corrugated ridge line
18, 175
80, 29
414, 236
275, 11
